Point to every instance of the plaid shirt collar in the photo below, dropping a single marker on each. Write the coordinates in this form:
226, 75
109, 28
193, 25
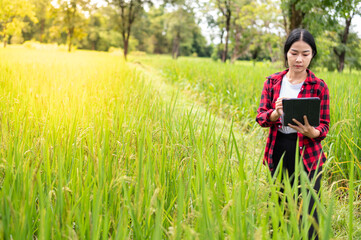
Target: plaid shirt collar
277, 77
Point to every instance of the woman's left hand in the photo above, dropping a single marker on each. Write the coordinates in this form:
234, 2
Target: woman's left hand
307, 130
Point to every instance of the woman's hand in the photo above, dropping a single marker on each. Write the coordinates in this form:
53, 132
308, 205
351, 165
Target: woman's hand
307, 130
278, 112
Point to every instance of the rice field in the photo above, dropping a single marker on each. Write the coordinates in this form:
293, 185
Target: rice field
233, 91
95, 148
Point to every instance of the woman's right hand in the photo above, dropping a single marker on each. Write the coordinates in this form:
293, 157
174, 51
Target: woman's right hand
277, 113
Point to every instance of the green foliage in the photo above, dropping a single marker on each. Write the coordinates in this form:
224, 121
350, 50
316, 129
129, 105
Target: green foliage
141, 33
102, 32
199, 44
39, 30
180, 25
128, 12
330, 42
157, 41
12, 13
174, 27
108, 39
216, 53
71, 19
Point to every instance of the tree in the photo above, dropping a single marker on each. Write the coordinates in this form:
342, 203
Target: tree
225, 7
310, 14
130, 10
158, 41
295, 15
243, 21
38, 30
101, 30
345, 10
95, 25
142, 32
42, 8
323, 16
71, 17
180, 27
12, 13
199, 44
326, 56
254, 24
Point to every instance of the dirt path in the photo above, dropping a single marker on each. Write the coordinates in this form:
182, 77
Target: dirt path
250, 144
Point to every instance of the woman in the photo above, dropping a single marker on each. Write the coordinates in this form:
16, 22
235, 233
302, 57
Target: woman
295, 82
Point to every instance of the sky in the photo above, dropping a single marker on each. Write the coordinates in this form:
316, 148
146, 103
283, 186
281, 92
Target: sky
356, 24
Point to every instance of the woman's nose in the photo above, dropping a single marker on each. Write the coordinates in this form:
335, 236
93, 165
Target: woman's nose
299, 58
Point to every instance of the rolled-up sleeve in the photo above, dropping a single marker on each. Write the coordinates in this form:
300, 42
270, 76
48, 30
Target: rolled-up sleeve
324, 114
265, 107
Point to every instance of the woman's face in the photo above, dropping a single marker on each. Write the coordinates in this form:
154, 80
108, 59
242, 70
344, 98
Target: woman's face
299, 56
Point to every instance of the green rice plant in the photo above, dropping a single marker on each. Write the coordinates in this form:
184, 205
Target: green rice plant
233, 91
343, 144
94, 148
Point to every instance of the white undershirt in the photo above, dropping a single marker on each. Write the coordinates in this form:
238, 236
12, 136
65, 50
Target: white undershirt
288, 90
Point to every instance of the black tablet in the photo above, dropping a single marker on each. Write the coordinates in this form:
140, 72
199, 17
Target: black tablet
298, 107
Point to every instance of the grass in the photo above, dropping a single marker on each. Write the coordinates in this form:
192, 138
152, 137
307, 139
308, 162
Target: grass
94, 148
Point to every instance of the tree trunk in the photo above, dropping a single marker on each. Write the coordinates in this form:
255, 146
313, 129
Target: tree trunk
341, 59
228, 23
239, 48
69, 46
70, 39
226, 12
235, 56
42, 27
126, 44
342, 55
296, 17
272, 55
220, 51
126, 25
5, 39
175, 48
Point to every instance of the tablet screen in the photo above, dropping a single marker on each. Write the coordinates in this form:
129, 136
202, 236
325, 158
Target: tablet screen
298, 107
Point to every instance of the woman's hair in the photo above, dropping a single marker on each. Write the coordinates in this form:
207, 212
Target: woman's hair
299, 34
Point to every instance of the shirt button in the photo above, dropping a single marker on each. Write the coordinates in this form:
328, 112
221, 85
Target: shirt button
300, 147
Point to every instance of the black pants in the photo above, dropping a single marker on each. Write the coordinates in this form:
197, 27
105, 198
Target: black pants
286, 144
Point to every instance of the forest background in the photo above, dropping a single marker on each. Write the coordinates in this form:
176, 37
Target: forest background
237, 29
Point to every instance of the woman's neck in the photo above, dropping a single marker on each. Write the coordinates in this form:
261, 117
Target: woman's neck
296, 77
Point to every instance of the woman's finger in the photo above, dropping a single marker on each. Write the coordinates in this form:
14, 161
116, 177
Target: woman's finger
297, 122
306, 120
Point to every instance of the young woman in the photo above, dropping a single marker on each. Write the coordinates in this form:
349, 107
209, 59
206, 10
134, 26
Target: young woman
295, 82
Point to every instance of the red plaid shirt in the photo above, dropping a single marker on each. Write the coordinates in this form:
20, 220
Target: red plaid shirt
310, 149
